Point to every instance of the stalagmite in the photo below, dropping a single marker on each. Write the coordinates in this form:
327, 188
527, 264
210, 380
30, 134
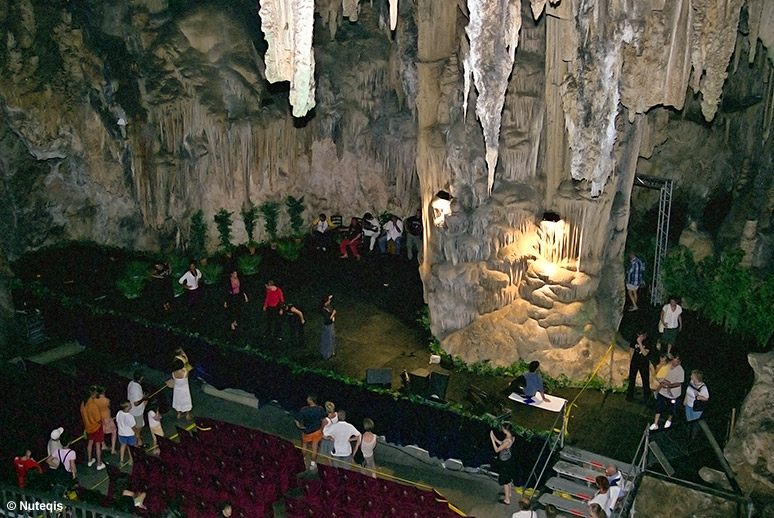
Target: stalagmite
493, 32
288, 27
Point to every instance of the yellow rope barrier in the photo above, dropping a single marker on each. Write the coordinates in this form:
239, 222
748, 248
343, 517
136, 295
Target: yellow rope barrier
570, 406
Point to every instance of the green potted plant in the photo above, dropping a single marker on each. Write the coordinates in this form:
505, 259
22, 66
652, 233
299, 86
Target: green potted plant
198, 236
250, 216
289, 249
248, 264
223, 223
295, 211
270, 211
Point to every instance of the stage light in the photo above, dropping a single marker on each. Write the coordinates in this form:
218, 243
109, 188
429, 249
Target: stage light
441, 204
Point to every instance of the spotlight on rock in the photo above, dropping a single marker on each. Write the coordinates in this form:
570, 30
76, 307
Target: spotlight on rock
441, 204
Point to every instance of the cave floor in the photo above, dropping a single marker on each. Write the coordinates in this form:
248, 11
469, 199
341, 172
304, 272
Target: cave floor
379, 300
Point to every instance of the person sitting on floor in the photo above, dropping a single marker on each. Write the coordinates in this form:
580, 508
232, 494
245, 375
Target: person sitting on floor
352, 239
371, 229
392, 231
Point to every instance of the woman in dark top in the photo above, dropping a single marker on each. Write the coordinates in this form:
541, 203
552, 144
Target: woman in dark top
328, 340
236, 298
162, 283
505, 462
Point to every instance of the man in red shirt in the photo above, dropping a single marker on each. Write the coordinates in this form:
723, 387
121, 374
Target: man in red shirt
274, 298
23, 464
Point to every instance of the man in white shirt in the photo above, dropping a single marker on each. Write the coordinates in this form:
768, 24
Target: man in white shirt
136, 397
672, 320
343, 435
190, 281
671, 388
393, 231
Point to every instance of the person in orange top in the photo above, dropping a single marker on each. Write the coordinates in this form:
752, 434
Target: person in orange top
108, 425
23, 464
92, 423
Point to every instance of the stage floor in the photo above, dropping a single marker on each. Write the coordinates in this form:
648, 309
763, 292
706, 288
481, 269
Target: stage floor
379, 300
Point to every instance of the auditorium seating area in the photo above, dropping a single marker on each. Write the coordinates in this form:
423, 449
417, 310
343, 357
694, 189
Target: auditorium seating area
341, 493
221, 462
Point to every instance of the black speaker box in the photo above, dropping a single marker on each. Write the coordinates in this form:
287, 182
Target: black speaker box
439, 382
380, 377
419, 382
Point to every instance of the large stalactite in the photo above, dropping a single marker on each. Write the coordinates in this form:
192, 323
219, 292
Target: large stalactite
288, 26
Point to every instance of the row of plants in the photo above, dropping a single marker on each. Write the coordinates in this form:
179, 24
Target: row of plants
724, 291
270, 210
42, 292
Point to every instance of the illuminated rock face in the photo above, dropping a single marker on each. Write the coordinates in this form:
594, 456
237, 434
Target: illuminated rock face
287, 26
563, 124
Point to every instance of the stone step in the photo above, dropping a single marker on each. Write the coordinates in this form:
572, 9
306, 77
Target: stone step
593, 460
572, 507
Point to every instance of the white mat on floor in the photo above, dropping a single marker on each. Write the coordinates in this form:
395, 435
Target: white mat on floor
555, 403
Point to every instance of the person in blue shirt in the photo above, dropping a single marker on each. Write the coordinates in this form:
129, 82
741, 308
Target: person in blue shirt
530, 384
634, 279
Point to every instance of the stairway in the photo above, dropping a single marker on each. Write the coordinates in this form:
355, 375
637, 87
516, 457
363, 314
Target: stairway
573, 483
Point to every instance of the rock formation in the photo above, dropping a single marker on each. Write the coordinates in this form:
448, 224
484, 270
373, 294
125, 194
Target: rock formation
122, 119
750, 451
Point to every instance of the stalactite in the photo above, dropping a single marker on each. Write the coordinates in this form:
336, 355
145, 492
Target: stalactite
493, 32
288, 28
350, 9
393, 14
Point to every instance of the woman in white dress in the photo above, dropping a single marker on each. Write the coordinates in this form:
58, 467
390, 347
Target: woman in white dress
181, 393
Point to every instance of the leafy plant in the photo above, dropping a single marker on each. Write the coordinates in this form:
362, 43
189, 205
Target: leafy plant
289, 249
270, 211
211, 272
296, 208
132, 283
726, 292
131, 287
198, 235
223, 222
250, 216
248, 264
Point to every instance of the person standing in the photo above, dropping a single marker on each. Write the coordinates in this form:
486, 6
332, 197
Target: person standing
634, 279
236, 298
190, 281
696, 398
294, 318
367, 446
638, 362
343, 435
393, 231
670, 391
92, 424
271, 303
125, 423
328, 339
505, 466
154, 424
108, 425
331, 417
310, 421
672, 320
136, 397
181, 393
23, 464
414, 235
162, 285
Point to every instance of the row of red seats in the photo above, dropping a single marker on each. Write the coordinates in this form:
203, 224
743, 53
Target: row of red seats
195, 467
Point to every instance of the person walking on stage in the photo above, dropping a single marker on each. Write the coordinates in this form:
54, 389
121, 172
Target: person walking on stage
328, 340
638, 362
181, 391
271, 306
634, 279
